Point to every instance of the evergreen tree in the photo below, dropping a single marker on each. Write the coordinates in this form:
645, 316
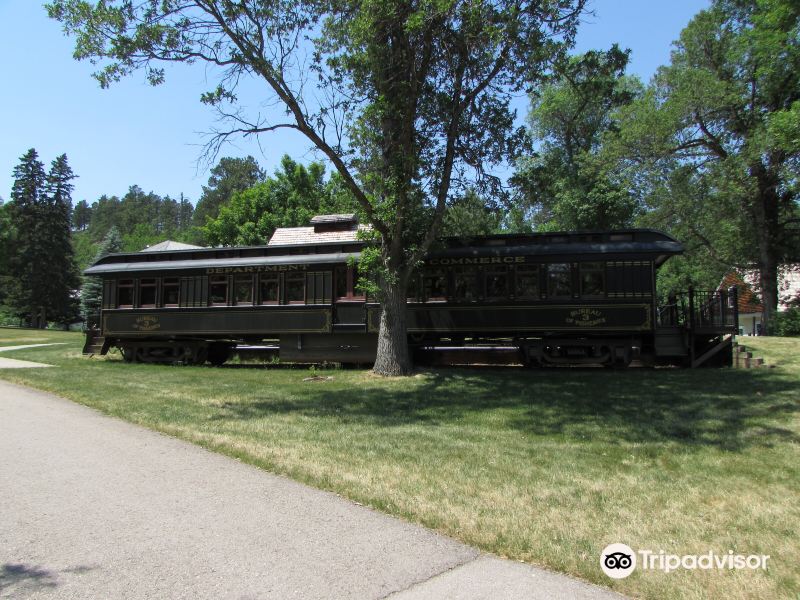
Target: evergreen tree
81, 216
231, 175
6, 237
185, 213
25, 291
60, 270
92, 290
42, 272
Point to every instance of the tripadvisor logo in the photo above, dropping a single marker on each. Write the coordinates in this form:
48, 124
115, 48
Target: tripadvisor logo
619, 560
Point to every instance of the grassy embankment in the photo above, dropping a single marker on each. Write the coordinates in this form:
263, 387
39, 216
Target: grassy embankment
540, 466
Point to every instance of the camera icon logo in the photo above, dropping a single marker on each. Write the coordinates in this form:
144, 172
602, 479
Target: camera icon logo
618, 561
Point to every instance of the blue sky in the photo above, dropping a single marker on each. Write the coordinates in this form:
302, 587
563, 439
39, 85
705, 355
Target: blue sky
133, 133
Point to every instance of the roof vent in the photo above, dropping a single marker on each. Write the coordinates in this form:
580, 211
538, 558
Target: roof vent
334, 222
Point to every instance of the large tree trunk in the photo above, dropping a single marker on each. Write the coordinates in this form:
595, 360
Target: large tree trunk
767, 228
768, 281
393, 357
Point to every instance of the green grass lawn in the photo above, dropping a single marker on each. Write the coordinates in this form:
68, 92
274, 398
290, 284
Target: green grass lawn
546, 467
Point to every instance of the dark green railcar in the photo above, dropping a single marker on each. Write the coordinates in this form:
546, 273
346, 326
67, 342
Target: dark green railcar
555, 298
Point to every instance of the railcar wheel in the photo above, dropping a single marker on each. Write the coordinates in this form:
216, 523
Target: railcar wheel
128, 354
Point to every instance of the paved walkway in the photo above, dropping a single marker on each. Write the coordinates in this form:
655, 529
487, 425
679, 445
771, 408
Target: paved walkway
93, 507
13, 363
7, 348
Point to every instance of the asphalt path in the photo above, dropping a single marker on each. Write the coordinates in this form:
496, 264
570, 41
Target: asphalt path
94, 507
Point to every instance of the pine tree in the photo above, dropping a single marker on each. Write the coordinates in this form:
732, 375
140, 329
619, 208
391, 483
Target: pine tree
81, 216
61, 271
42, 272
27, 252
92, 290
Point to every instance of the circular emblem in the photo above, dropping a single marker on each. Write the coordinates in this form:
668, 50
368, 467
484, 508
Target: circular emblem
617, 561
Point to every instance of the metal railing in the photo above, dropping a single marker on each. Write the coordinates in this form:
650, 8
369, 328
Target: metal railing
701, 309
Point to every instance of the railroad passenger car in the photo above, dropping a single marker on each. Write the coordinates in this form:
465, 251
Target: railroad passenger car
554, 298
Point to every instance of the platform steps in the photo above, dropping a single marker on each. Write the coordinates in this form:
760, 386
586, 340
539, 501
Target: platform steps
94, 345
743, 359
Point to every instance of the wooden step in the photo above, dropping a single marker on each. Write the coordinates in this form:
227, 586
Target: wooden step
94, 346
750, 363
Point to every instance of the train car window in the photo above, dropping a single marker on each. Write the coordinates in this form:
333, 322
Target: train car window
147, 293
295, 288
527, 282
125, 293
465, 284
347, 280
497, 283
171, 291
434, 285
559, 280
593, 279
269, 287
243, 289
218, 290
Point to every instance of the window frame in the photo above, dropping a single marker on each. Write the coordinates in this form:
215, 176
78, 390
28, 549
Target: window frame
351, 278
276, 277
532, 270
165, 285
494, 270
549, 279
219, 280
151, 285
234, 292
129, 286
294, 276
426, 274
599, 268
465, 271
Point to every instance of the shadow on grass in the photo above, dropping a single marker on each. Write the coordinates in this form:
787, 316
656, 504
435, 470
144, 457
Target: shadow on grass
728, 409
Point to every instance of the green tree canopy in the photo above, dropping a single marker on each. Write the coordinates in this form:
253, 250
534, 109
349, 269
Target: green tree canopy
471, 216
713, 142
567, 184
229, 176
289, 198
410, 101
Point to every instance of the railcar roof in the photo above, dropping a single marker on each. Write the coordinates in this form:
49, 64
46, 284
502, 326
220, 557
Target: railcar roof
100, 268
631, 242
